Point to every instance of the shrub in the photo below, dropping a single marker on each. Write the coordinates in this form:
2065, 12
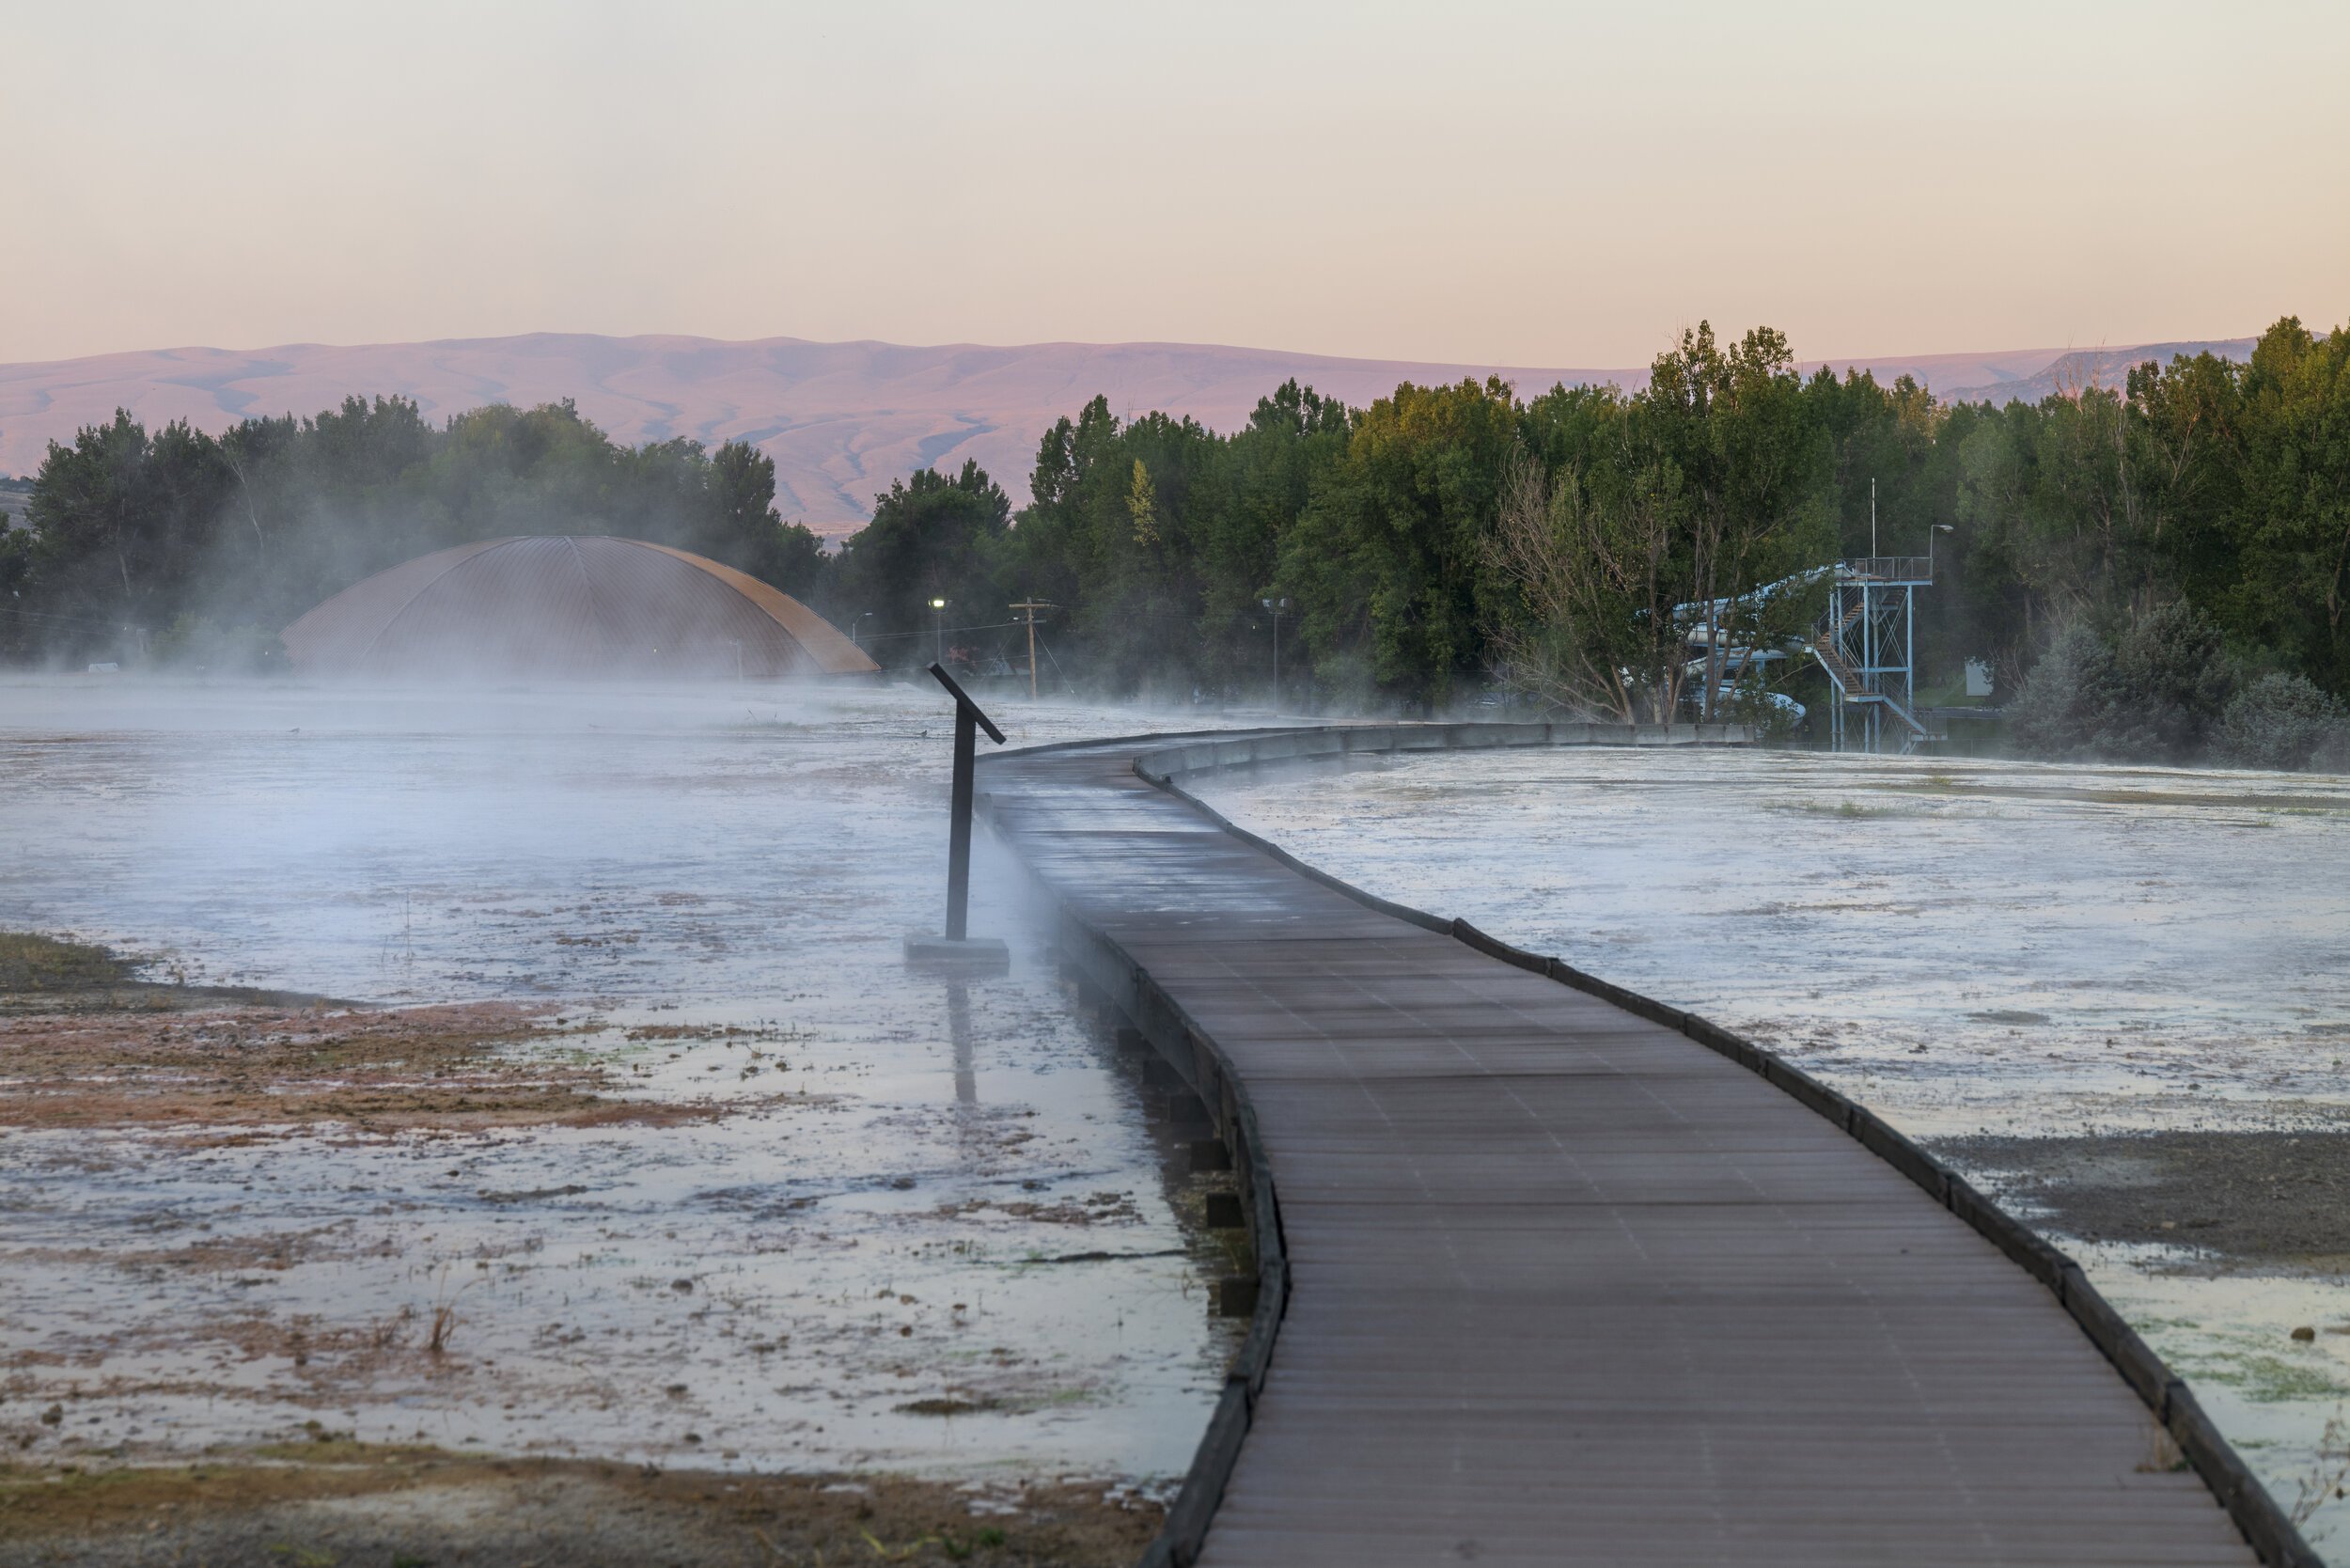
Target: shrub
2057, 708
2172, 681
197, 645
2285, 721
1772, 715
2154, 693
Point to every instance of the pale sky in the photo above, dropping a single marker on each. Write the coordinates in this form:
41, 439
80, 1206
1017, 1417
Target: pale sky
1521, 184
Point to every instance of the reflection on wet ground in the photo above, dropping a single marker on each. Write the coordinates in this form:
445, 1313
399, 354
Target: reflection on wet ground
1991, 954
868, 1219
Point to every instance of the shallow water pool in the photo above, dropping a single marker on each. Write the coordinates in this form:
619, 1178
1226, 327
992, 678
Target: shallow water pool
924, 1225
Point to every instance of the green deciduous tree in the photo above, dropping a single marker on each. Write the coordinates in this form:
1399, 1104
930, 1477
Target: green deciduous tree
2151, 546
1388, 558
180, 540
933, 535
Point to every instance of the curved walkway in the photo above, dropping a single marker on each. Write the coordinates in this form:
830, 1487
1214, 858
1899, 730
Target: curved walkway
1554, 1283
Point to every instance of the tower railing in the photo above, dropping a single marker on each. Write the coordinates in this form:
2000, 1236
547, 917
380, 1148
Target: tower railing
1889, 568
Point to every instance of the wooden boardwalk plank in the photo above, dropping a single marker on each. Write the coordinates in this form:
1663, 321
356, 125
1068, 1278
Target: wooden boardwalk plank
1567, 1288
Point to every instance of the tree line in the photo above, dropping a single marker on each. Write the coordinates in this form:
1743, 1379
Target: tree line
2136, 562
2183, 539
175, 544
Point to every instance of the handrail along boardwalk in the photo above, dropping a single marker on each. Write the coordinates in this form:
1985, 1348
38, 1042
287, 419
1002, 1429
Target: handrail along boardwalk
1551, 1273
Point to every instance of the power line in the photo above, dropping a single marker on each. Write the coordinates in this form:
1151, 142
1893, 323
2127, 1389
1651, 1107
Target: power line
1058, 671
76, 620
992, 626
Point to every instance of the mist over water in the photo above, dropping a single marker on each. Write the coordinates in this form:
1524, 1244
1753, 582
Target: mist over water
1968, 946
855, 1268
708, 886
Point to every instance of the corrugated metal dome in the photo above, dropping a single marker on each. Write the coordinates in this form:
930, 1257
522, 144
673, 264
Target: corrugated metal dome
566, 605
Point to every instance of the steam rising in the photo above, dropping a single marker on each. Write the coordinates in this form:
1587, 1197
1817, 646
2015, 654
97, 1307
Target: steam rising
707, 885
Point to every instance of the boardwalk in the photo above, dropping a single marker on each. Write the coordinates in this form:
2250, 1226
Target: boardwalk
1566, 1287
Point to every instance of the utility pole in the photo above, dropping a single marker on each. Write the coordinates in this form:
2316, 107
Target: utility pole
1028, 607
1277, 606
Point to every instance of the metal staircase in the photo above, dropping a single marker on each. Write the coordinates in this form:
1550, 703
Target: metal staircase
1865, 644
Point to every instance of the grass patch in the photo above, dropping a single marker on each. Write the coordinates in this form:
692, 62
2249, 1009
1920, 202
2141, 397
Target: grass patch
2269, 1379
340, 1448
31, 962
1846, 810
948, 1407
2300, 804
2272, 1379
519, 1510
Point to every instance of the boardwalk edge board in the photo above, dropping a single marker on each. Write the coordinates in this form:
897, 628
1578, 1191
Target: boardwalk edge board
1109, 979
1111, 983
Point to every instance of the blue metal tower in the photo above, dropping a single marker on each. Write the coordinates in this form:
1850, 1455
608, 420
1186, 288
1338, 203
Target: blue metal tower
1867, 645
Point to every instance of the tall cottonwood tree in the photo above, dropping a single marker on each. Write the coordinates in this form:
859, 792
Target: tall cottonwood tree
1598, 576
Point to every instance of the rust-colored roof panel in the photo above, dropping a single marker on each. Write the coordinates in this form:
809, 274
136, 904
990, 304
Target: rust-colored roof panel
819, 638
567, 605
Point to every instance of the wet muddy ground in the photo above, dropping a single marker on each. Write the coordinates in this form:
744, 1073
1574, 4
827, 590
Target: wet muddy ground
2225, 1200
537, 1077
228, 1066
2119, 997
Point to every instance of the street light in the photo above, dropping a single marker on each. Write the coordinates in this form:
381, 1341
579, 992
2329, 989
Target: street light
1937, 528
938, 628
1277, 606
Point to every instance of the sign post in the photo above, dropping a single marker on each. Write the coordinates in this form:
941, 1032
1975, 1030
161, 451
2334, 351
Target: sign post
958, 947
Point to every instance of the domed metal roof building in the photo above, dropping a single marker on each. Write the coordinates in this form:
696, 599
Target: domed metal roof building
567, 606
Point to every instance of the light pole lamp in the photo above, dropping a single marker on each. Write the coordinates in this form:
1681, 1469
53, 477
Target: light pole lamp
938, 630
1937, 528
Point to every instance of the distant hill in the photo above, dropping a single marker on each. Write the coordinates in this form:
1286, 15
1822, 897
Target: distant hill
840, 419
2085, 367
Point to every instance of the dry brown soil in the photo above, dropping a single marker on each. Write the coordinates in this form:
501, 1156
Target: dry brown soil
82, 1043
336, 1504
